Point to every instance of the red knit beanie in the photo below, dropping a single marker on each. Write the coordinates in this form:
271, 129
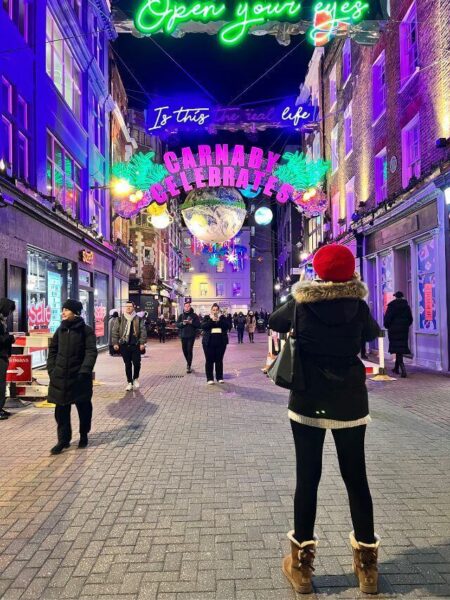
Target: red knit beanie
334, 263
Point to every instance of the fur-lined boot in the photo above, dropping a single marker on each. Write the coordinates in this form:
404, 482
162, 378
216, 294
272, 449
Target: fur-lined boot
365, 564
298, 565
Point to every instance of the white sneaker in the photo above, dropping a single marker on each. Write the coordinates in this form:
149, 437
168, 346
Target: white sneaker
129, 387
210, 382
221, 381
136, 384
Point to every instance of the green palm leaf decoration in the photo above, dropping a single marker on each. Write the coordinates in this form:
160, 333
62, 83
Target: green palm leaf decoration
140, 171
301, 172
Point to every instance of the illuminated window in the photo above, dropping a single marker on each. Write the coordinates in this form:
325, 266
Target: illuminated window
203, 289
98, 116
335, 214
333, 87
346, 61
381, 173
61, 66
14, 141
220, 289
237, 290
63, 176
334, 150
99, 211
409, 46
350, 199
411, 151
379, 86
348, 129
314, 233
17, 11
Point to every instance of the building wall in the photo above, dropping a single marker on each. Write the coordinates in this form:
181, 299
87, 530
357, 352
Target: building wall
261, 262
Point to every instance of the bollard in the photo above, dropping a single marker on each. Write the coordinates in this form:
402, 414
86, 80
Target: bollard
382, 375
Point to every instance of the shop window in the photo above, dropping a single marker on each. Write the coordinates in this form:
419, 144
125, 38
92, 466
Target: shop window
100, 307
426, 271
17, 11
348, 129
314, 228
411, 151
332, 87
346, 61
61, 66
379, 86
203, 289
381, 173
237, 289
220, 289
63, 176
409, 45
387, 279
6, 131
334, 149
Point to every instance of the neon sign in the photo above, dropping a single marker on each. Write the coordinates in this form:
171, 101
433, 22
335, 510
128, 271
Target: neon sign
233, 24
171, 115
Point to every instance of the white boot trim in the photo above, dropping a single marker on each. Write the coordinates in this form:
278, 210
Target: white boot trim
357, 545
291, 537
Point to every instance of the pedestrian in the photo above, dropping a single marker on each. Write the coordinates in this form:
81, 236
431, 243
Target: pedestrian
129, 336
162, 329
229, 319
188, 324
241, 323
397, 320
235, 318
7, 307
71, 358
331, 319
251, 326
114, 316
215, 340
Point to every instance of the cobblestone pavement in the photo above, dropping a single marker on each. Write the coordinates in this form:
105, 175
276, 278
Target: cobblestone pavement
185, 491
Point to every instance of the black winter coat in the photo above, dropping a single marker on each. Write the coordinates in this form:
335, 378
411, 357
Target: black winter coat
219, 339
332, 321
6, 339
241, 322
397, 320
189, 330
71, 358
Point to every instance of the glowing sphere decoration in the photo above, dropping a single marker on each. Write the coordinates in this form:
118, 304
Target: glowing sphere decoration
263, 216
160, 221
214, 215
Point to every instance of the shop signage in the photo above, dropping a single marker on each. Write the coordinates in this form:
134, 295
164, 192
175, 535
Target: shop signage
99, 319
87, 257
19, 369
236, 20
171, 115
39, 316
428, 301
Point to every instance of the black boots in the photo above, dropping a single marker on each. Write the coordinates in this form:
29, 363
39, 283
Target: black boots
83, 441
60, 446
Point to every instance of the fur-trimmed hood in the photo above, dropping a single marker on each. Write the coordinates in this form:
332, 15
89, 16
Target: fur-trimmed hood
319, 291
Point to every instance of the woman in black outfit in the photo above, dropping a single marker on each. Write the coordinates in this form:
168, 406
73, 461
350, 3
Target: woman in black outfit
215, 340
397, 320
332, 319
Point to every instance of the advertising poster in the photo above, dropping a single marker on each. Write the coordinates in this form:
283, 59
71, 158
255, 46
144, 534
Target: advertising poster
54, 284
426, 258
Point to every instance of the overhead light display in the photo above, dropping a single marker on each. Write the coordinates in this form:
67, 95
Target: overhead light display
263, 215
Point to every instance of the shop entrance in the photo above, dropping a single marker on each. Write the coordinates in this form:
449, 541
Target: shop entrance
403, 278
86, 295
372, 284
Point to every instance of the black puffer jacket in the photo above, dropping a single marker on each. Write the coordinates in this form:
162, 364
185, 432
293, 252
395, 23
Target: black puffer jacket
6, 339
218, 339
71, 359
397, 320
332, 321
190, 329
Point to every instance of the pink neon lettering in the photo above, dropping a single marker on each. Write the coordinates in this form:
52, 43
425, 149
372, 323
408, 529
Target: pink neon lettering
255, 158
215, 179
228, 176
204, 155
238, 156
199, 175
188, 159
268, 188
284, 193
222, 157
272, 159
171, 162
158, 193
242, 180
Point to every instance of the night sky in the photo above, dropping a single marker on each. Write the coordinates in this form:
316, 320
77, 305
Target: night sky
224, 72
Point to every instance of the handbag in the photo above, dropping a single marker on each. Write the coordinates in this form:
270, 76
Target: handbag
287, 370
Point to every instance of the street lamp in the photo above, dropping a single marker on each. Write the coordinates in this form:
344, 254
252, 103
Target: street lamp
277, 287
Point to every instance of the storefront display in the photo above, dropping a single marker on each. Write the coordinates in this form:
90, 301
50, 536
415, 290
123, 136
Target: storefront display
100, 306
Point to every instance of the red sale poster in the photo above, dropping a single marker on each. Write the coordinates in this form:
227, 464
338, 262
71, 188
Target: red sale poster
428, 298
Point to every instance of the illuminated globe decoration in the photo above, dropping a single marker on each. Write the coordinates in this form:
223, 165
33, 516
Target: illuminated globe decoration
263, 215
214, 215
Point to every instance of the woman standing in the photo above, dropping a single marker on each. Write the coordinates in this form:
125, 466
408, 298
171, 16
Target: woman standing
71, 358
331, 321
240, 327
215, 340
397, 320
251, 326
162, 329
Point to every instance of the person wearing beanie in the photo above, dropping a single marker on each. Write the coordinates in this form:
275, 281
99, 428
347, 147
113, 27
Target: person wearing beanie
71, 359
7, 307
332, 319
129, 336
397, 320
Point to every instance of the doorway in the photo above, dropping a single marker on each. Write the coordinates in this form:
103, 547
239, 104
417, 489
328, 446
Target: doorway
403, 279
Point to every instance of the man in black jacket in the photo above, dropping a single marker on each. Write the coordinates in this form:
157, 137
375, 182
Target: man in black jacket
188, 324
6, 341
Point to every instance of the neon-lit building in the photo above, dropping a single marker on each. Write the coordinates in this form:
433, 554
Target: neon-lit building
55, 230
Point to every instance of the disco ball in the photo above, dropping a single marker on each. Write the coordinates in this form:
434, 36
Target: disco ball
263, 215
214, 215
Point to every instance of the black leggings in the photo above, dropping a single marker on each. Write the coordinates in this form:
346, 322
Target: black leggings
350, 450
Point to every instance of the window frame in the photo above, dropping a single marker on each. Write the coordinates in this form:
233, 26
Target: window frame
346, 62
77, 186
335, 149
348, 129
408, 24
350, 187
409, 167
378, 68
380, 157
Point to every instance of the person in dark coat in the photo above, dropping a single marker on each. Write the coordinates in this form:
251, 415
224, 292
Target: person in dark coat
241, 323
332, 319
161, 325
215, 340
112, 321
188, 324
71, 358
129, 336
6, 341
397, 320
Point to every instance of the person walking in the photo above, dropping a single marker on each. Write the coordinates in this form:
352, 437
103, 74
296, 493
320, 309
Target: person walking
71, 358
251, 326
332, 319
112, 320
7, 307
129, 336
241, 323
188, 324
162, 329
215, 340
397, 320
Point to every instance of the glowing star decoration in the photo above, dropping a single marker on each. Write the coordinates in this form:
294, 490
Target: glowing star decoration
331, 19
232, 258
301, 172
263, 215
214, 260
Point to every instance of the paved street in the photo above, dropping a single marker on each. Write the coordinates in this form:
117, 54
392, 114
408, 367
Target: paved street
185, 491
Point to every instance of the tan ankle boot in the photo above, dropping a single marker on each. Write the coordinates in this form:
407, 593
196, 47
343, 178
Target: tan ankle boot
365, 567
298, 565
